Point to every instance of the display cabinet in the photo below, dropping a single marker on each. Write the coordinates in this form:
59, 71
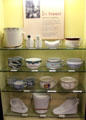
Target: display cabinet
58, 94
69, 102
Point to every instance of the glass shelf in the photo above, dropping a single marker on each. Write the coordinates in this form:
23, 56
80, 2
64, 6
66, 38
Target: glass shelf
60, 48
43, 69
38, 89
49, 114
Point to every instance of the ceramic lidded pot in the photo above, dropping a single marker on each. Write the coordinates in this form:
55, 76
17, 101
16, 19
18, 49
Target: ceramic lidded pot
74, 63
68, 83
33, 63
41, 102
72, 42
47, 82
15, 63
13, 37
54, 63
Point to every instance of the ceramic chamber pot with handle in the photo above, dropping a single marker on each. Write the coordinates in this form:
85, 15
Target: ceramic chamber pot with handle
72, 42
41, 102
54, 63
33, 63
68, 83
13, 37
74, 63
47, 82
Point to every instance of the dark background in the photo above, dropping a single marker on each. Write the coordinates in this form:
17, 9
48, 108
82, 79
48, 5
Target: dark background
1, 113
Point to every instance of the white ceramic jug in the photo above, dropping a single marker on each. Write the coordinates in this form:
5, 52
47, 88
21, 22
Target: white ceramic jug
13, 37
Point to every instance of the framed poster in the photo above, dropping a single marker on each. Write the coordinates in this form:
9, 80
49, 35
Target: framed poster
44, 18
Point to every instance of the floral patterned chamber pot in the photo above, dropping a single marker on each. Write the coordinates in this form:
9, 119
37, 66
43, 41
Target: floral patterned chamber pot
47, 82
54, 63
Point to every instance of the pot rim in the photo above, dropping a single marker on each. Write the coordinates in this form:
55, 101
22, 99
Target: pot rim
12, 28
55, 60
72, 38
33, 60
68, 79
77, 61
41, 95
46, 79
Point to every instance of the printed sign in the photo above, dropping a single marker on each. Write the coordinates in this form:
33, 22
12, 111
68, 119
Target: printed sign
44, 18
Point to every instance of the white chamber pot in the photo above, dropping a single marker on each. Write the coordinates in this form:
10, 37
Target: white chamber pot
74, 63
52, 44
13, 37
68, 83
41, 102
72, 42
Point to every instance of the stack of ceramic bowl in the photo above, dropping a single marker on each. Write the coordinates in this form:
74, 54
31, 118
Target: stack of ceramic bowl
74, 63
52, 44
47, 82
13, 37
33, 63
41, 102
72, 42
54, 63
18, 106
15, 63
68, 83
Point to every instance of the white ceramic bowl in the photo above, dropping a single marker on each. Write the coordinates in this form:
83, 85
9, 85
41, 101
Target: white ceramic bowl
47, 82
74, 63
41, 102
68, 83
72, 42
52, 44
33, 63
